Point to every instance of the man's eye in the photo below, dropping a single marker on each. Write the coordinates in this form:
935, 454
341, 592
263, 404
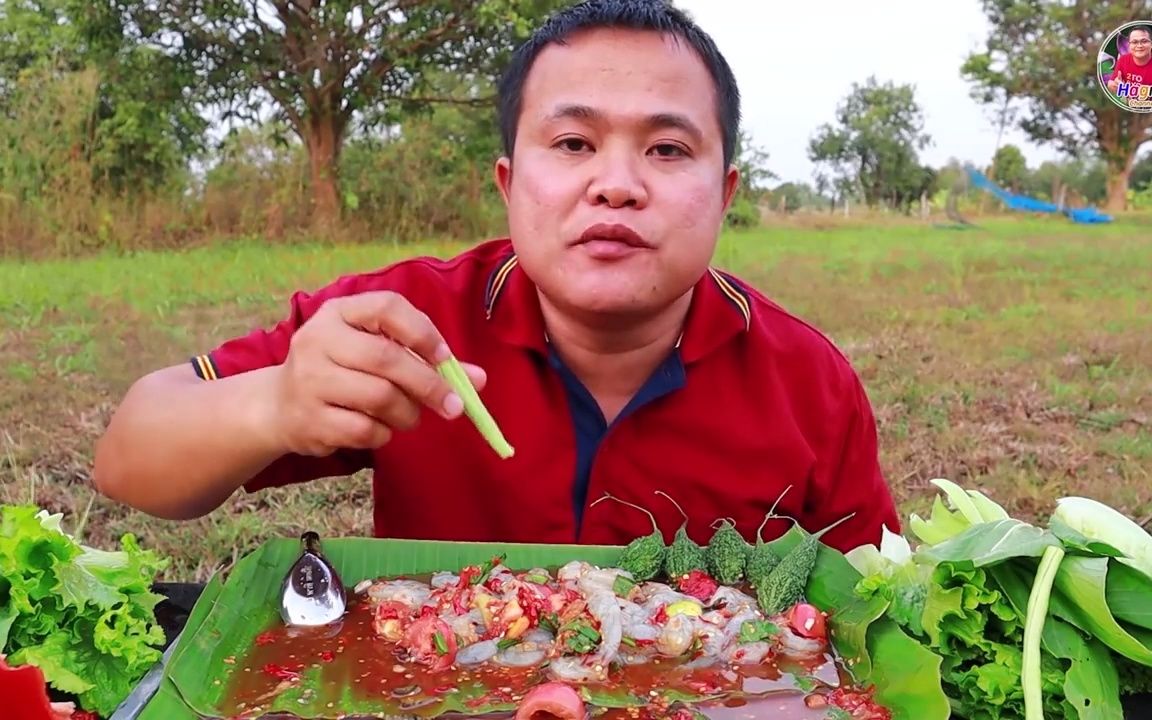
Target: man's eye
669, 150
572, 144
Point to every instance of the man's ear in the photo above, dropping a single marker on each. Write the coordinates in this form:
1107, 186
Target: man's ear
731, 184
503, 175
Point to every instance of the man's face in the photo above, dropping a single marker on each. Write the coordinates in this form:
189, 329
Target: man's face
1139, 46
618, 129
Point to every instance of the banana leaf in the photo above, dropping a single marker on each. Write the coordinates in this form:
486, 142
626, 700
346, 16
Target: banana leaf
224, 626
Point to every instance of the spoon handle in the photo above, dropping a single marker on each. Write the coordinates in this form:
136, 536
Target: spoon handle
311, 542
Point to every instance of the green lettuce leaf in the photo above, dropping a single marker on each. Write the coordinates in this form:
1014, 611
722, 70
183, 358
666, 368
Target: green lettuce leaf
84, 616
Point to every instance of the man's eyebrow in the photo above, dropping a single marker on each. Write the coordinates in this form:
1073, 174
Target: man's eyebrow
672, 120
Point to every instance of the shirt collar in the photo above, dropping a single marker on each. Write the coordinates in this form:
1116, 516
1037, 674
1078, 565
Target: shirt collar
721, 309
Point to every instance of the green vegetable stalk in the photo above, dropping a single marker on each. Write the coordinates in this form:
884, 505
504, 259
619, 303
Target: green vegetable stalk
474, 408
1031, 678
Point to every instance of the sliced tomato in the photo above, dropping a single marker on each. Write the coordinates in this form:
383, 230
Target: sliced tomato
430, 641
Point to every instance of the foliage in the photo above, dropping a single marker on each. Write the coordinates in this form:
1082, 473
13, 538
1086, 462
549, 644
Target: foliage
1009, 167
324, 67
1036, 54
133, 127
874, 146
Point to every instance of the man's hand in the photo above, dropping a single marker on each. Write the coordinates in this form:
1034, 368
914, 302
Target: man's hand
1114, 82
361, 368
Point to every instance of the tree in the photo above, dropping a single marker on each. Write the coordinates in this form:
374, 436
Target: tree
1009, 168
1141, 173
323, 66
874, 145
1036, 53
135, 128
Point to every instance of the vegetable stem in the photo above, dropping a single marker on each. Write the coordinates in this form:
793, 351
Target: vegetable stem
1031, 679
474, 408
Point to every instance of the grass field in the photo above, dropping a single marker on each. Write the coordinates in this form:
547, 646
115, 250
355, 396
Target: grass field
1016, 358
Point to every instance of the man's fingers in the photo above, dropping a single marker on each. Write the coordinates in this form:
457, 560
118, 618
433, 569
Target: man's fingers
476, 374
384, 358
372, 395
389, 313
342, 428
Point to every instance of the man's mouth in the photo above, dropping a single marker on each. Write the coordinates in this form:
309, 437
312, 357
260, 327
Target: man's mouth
613, 232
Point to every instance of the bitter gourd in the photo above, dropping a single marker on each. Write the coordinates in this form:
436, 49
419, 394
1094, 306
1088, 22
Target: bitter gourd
684, 555
727, 553
786, 584
644, 557
762, 559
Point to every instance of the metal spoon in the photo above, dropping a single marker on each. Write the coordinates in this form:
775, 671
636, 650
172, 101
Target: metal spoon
312, 594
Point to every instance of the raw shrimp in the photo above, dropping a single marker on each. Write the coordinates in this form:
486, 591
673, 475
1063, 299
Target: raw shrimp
532, 650
468, 627
606, 609
478, 653
576, 669
731, 600
410, 592
676, 636
444, 580
600, 580
747, 653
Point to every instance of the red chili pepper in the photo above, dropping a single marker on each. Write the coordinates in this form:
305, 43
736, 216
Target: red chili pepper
327, 656
859, 703
530, 603
280, 672
660, 616
266, 638
24, 692
698, 584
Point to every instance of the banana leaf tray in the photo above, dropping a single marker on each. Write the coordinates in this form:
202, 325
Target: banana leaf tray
236, 605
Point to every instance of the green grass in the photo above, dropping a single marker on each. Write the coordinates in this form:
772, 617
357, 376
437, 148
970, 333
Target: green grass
1016, 358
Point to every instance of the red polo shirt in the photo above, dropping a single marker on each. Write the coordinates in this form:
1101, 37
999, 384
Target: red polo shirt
751, 401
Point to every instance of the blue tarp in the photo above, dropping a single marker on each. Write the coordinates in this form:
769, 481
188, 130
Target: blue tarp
1023, 203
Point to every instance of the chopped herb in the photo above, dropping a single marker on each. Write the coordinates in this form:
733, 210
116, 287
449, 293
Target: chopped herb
628, 641
486, 568
506, 643
756, 630
441, 643
550, 622
623, 585
538, 579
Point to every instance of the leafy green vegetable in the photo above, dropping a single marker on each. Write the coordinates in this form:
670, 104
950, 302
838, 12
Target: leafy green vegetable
1082, 582
84, 616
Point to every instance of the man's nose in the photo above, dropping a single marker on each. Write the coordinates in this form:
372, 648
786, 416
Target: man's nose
618, 181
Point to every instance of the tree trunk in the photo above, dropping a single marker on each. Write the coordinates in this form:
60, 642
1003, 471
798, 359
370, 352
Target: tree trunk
1118, 187
324, 140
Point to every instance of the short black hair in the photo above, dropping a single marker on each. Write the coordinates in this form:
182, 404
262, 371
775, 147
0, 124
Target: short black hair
655, 15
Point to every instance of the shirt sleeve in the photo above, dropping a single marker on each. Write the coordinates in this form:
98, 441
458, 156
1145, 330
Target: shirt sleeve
849, 478
268, 347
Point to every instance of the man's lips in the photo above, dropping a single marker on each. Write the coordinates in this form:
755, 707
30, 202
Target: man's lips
613, 232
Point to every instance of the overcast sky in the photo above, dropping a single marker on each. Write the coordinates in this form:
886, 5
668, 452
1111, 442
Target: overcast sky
796, 60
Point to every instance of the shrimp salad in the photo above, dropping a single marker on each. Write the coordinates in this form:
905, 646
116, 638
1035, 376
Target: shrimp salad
582, 620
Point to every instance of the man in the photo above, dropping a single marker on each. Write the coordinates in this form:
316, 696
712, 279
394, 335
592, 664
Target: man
1132, 67
613, 358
